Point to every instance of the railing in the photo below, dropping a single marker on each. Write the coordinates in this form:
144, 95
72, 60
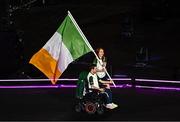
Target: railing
121, 83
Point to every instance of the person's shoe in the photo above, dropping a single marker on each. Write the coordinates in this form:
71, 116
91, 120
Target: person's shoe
115, 105
110, 106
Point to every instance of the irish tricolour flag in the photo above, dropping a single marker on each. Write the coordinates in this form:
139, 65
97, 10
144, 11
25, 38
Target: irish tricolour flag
66, 45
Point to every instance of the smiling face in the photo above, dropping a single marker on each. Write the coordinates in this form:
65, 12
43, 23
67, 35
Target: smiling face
101, 53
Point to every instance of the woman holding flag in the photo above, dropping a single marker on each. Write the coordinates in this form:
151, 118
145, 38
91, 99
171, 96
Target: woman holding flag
101, 70
101, 64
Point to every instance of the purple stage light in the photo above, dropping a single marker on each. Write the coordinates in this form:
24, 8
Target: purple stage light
121, 79
71, 79
74, 86
67, 86
121, 86
162, 81
26, 87
63, 79
38, 86
160, 88
49, 86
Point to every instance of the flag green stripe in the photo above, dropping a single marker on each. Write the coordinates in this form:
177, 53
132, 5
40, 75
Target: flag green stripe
72, 39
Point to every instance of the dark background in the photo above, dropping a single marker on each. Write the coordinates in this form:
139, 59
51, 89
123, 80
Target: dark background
121, 27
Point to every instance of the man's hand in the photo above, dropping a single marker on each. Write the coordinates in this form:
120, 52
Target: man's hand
111, 81
101, 89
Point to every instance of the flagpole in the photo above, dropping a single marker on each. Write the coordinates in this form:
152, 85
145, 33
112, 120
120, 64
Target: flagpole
81, 33
87, 42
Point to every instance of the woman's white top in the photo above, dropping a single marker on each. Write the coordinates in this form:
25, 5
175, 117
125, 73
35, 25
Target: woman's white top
100, 67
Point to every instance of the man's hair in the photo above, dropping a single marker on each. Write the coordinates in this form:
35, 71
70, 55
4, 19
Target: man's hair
92, 66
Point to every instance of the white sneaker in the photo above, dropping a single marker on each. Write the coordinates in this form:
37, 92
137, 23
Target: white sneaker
110, 106
115, 105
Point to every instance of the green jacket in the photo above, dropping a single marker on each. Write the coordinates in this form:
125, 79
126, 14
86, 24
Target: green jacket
81, 84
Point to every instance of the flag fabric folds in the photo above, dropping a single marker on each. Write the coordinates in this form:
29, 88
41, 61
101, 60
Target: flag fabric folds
65, 46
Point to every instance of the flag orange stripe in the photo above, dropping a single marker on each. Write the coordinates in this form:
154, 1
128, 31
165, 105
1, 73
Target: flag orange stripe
46, 64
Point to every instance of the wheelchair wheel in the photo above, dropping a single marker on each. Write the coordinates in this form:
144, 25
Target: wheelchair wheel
78, 107
90, 107
100, 110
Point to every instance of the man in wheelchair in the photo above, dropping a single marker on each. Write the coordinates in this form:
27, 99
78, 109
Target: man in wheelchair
91, 97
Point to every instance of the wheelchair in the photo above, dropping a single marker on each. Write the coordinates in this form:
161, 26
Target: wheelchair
92, 101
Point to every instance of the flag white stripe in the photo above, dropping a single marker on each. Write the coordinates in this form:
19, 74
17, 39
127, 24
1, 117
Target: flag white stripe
59, 51
65, 57
53, 46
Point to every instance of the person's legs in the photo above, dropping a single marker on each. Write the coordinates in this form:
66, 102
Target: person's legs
109, 99
108, 91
